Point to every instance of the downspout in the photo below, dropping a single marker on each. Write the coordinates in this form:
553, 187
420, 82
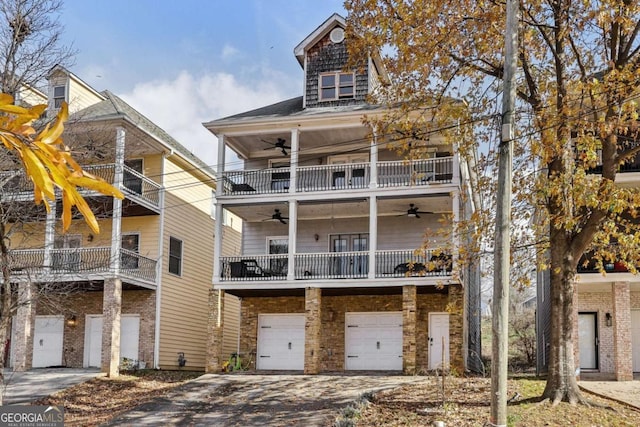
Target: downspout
156, 340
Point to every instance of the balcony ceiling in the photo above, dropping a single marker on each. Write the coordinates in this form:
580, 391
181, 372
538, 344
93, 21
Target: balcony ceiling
338, 139
347, 209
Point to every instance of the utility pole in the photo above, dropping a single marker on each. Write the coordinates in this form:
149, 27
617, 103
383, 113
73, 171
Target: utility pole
502, 253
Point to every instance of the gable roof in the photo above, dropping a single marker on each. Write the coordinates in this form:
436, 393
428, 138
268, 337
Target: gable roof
313, 38
113, 107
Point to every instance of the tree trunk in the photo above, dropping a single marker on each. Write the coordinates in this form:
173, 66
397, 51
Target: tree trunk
6, 304
561, 381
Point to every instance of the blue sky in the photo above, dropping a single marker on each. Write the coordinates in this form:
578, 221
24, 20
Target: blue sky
185, 62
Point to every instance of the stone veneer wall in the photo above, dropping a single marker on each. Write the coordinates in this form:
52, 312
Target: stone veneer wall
333, 327
140, 302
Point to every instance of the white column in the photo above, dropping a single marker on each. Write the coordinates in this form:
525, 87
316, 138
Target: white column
116, 219
217, 242
456, 167
373, 179
293, 167
220, 170
49, 233
373, 235
293, 233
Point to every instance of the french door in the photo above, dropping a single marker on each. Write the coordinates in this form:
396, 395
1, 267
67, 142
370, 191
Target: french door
350, 264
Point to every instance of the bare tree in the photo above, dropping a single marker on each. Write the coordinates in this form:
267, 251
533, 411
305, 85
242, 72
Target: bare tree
30, 43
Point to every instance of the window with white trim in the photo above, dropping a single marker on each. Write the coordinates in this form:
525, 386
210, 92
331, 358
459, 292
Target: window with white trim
175, 256
337, 85
59, 96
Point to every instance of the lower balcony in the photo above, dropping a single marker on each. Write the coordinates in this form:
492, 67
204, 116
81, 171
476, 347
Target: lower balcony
80, 264
336, 266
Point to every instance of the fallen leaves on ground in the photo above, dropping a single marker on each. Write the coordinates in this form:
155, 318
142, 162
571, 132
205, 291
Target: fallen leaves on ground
466, 402
98, 400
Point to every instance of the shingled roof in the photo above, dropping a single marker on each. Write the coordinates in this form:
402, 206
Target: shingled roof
114, 107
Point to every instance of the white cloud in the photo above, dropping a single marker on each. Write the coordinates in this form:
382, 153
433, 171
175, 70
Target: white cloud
180, 106
229, 52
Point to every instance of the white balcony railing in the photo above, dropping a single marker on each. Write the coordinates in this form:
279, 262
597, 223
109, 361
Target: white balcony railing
348, 176
79, 262
135, 185
336, 265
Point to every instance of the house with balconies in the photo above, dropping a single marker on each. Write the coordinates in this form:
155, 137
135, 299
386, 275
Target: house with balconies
136, 293
334, 273
607, 308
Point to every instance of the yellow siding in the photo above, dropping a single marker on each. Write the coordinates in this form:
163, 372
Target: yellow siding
32, 235
187, 187
184, 299
153, 167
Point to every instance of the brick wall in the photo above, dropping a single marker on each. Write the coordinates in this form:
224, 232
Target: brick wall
602, 303
333, 311
140, 302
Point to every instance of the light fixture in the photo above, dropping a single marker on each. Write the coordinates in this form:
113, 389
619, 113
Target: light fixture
608, 320
72, 321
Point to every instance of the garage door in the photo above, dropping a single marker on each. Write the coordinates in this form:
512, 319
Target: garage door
280, 341
373, 341
47, 341
129, 339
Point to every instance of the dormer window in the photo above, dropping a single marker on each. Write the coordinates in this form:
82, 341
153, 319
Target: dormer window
58, 96
337, 85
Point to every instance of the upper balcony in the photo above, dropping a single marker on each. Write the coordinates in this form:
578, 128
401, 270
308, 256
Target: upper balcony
140, 190
344, 176
81, 264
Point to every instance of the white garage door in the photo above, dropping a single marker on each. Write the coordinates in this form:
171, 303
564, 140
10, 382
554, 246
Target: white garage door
373, 341
47, 341
129, 339
280, 341
635, 339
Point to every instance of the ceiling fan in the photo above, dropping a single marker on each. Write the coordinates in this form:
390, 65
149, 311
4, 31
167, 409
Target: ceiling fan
277, 217
414, 211
280, 144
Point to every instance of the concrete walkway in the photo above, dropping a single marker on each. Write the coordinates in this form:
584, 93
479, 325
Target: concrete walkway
627, 392
259, 400
24, 387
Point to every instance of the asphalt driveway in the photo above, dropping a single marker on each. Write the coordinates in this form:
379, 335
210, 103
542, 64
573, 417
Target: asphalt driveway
259, 400
24, 387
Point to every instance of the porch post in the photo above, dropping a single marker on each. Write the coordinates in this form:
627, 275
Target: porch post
373, 178
409, 325
116, 219
373, 235
623, 357
220, 170
215, 327
293, 164
455, 201
217, 243
49, 233
25, 320
293, 230
312, 328
111, 310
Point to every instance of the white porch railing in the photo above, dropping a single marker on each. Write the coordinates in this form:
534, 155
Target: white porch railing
401, 173
335, 265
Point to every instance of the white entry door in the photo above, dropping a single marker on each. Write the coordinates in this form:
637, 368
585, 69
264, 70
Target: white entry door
129, 339
47, 341
373, 341
438, 340
280, 342
635, 339
588, 340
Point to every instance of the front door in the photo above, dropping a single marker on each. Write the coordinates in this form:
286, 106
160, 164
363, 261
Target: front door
588, 340
130, 242
349, 175
351, 264
66, 254
635, 339
438, 340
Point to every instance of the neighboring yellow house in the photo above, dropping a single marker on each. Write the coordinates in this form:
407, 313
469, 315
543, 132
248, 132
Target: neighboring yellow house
139, 289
